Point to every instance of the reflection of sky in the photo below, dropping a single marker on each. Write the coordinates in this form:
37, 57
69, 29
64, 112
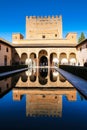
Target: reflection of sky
13, 116
13, 12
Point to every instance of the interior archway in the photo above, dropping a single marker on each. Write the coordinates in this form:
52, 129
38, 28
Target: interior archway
43, 61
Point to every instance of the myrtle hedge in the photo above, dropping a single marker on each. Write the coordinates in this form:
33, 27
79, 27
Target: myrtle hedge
10, 68
77, 70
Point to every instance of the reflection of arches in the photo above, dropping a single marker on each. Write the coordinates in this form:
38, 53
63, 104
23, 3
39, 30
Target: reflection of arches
43, 60
43, 72
63, 58
53, 58
33, 59
23, 58
43, 81
53, 77
72, 58
24, 77
61, 78
32, 78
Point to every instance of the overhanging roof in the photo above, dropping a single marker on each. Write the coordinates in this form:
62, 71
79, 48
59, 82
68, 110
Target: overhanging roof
5, 42
43, 45
82, 42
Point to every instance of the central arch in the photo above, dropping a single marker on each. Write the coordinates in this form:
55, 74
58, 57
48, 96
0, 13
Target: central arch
43, 60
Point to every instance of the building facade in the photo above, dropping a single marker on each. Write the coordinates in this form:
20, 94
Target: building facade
5, 53
82, 52
44, 44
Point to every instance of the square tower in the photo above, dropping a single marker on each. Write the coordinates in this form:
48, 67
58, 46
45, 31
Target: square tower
44, 27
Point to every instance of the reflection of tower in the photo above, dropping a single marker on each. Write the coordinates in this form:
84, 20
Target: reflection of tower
44, 105
43, 102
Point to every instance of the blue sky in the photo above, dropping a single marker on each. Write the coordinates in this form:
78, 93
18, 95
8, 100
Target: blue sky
13, 13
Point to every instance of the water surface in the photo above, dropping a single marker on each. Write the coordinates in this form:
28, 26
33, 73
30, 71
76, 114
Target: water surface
41, 99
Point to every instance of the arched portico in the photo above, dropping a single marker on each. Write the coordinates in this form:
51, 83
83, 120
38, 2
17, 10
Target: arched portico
16, 60
53, 59
72, 58
43, 59
33, 59
63, 58
24, 58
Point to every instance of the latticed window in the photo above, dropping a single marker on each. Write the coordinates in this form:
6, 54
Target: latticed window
55, 35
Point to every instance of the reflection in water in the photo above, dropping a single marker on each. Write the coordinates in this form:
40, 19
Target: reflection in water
5, 86
24, 77
43, 72
42, 77
45, 102
48, 101
41, 101
43, 105
42, 81
53, 75
61, 78
32, 78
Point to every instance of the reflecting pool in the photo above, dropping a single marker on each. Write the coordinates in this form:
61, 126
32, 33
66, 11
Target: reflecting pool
41, 99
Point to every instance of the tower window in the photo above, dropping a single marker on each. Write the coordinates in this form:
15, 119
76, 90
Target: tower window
15, 37
55, 35
43, 36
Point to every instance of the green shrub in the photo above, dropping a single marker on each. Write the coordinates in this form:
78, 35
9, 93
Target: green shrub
85, 64
77, 70
10, 68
